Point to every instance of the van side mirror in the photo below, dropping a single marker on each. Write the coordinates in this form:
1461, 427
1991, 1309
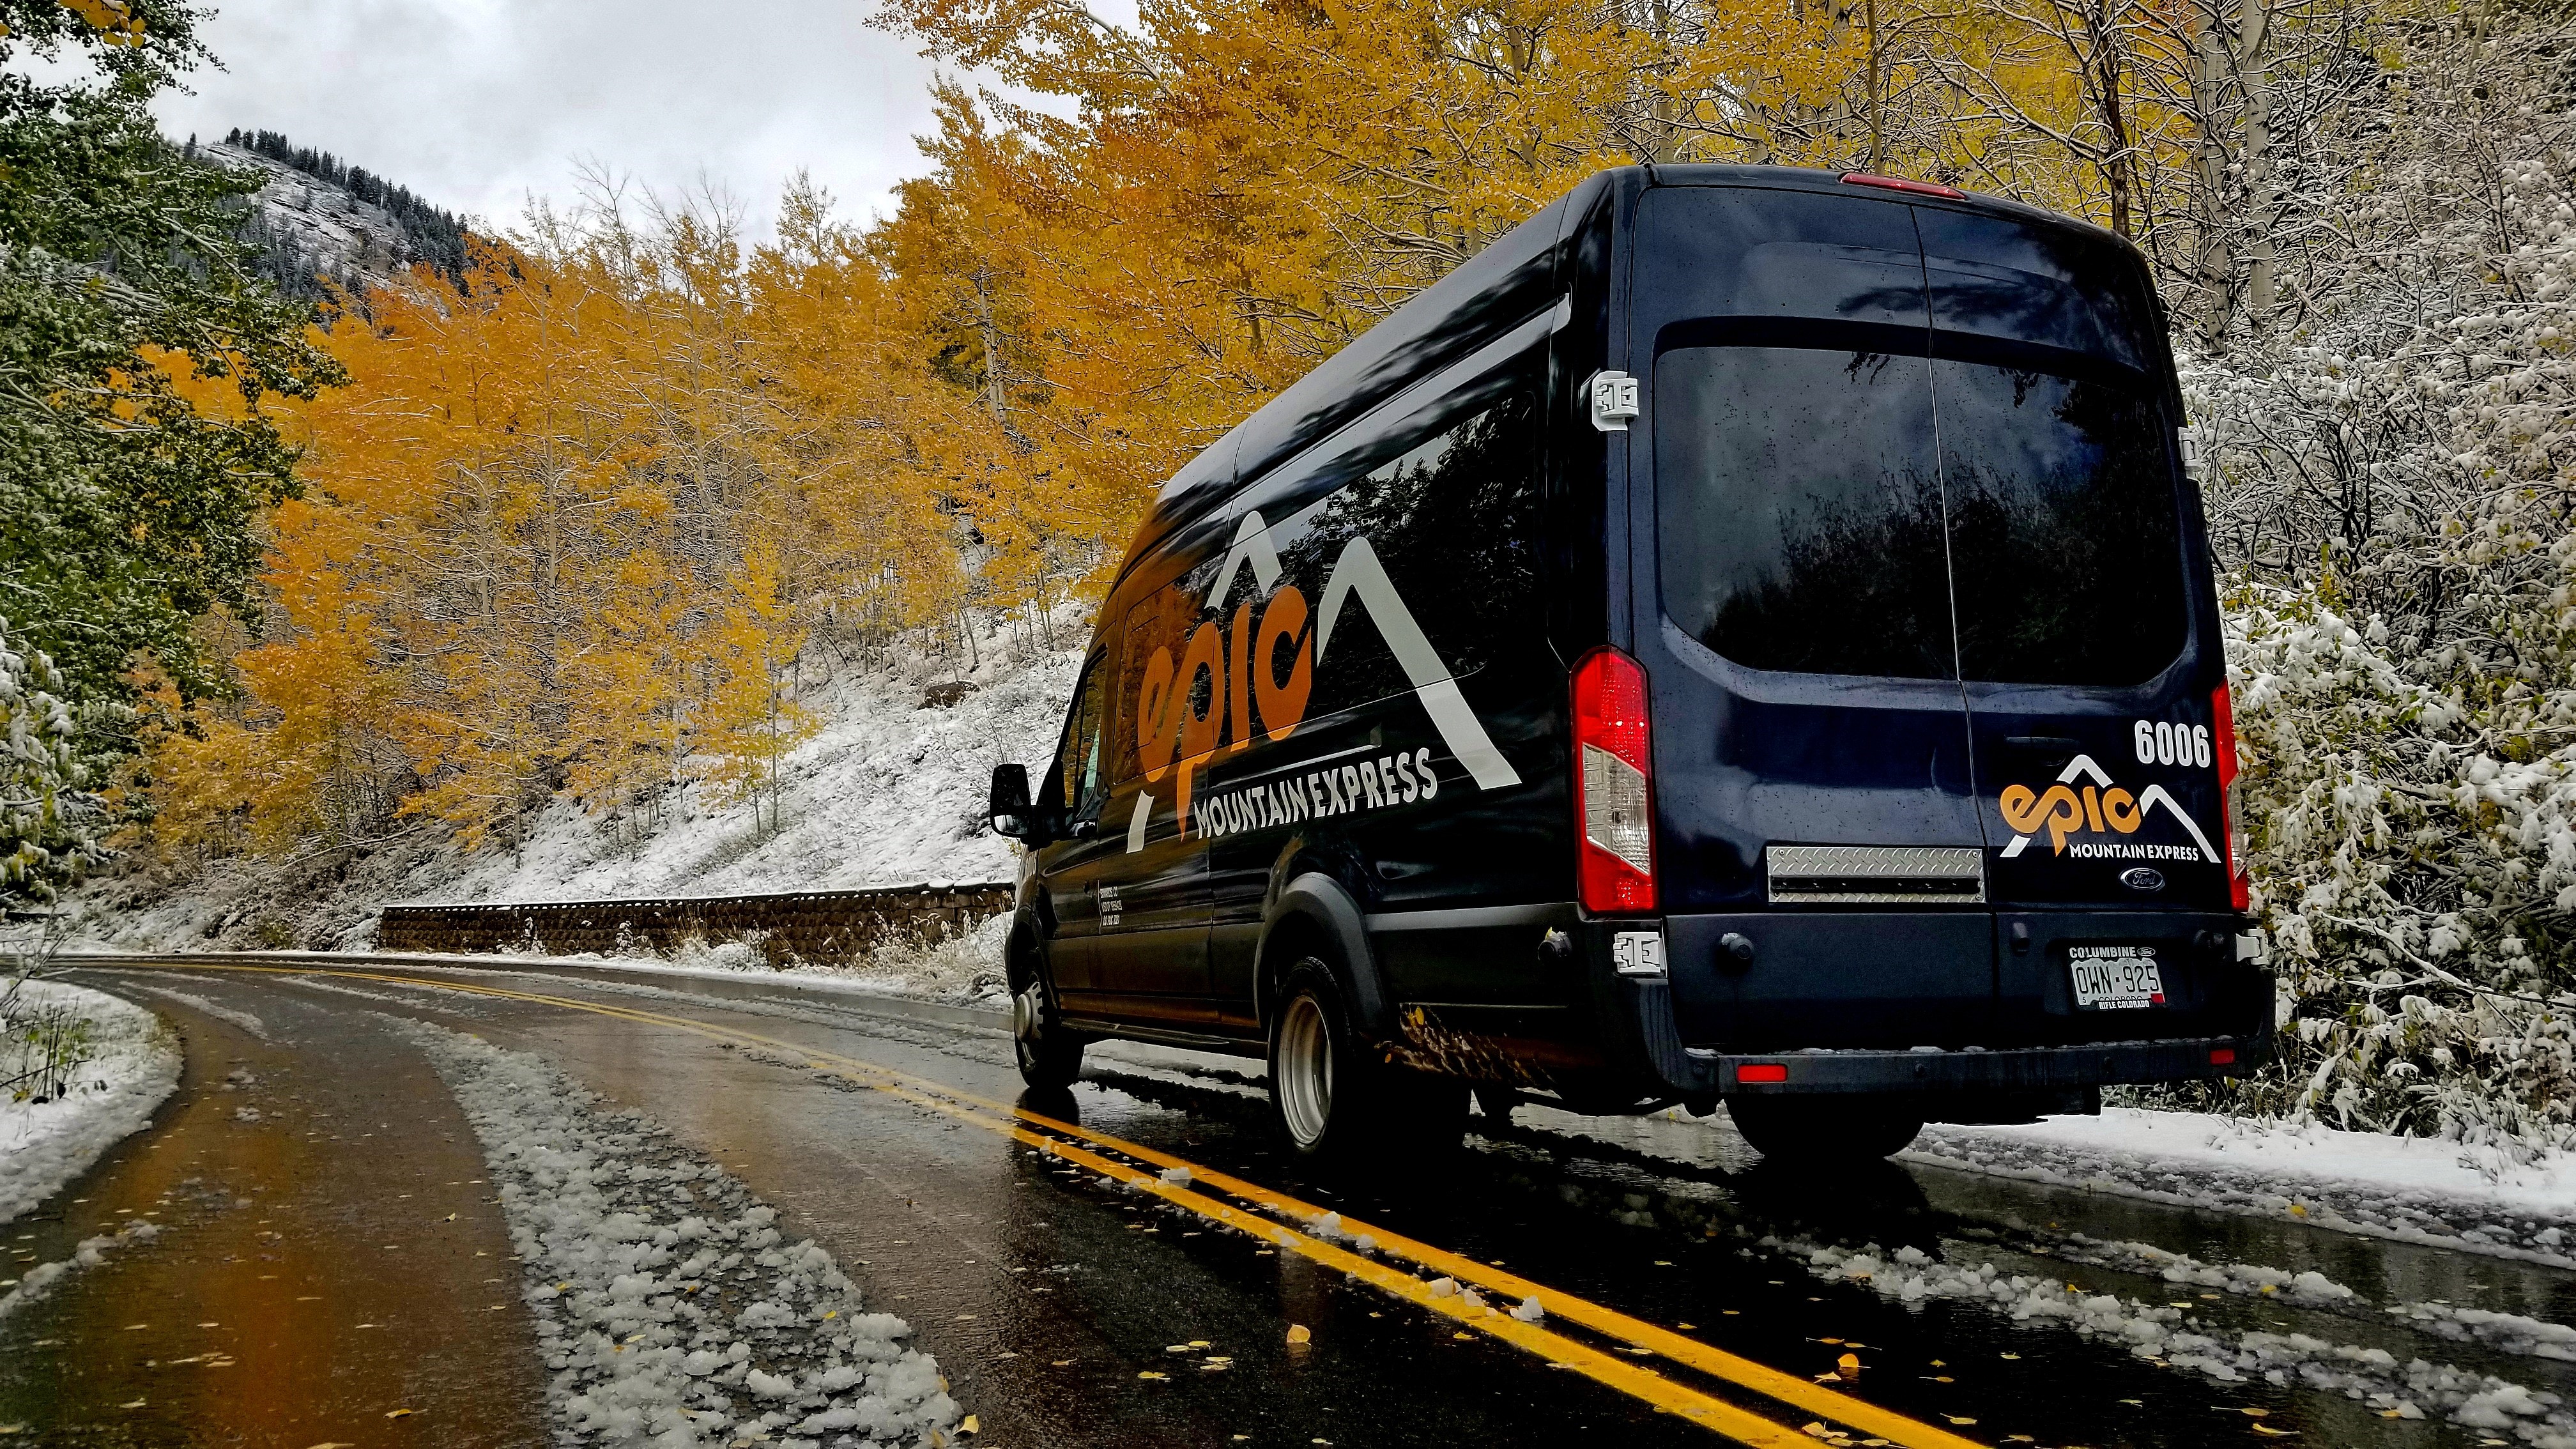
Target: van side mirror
1007, 808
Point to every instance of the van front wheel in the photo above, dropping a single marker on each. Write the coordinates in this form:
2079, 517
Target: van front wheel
1049, 1055
1825, 1128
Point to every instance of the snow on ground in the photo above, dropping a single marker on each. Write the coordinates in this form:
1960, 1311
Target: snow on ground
2417, 1190
889, 791
668, 1304
44, 1145
962, 970
2175, 1335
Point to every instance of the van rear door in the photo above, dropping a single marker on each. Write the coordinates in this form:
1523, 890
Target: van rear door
2087, 630
1813, 784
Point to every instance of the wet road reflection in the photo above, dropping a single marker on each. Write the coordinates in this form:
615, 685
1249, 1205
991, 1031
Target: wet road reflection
306, 1279
1066, 1310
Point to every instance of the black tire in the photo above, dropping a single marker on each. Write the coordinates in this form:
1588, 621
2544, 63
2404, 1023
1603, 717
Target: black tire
1825, 1128
1050, 1055
1332, 1097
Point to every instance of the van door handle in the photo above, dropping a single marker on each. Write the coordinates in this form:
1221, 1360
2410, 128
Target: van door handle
2058, 745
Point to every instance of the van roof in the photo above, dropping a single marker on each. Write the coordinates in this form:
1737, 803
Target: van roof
1512, 278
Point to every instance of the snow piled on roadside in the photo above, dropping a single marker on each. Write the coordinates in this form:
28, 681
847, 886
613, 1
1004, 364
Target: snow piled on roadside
44, 1145
44, 1278
669, 1306
962, 970
2410, 1189
2177, 1337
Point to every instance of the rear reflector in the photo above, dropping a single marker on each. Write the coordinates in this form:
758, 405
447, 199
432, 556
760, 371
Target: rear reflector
1614, 766
1762, 1072
2222, 1056
1899, 183
2240, 886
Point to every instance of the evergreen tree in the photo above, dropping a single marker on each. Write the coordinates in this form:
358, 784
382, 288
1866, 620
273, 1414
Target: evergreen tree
137, 352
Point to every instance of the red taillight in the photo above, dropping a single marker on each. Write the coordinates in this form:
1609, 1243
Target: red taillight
1762, 1072
2222, 1056
1614, 769
2222, 709
1899, 183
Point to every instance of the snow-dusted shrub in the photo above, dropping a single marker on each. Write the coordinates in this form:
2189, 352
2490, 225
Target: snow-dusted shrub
2394, 494
2415, 858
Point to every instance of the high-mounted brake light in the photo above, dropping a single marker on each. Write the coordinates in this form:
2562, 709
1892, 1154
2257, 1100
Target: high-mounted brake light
1899, 183
2240, 886
1614, 769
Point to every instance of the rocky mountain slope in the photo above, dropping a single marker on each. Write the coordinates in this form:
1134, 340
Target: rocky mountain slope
317, 218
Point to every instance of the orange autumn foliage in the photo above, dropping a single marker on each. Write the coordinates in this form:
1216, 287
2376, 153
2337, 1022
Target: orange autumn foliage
585, 524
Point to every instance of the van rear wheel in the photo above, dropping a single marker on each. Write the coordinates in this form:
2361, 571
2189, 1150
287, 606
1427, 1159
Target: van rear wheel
1825, 1128
1332, 1097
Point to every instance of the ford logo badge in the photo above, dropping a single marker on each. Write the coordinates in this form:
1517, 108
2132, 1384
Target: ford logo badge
2143, 878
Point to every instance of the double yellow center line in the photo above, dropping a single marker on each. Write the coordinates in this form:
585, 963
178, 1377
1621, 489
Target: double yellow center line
1083, 1147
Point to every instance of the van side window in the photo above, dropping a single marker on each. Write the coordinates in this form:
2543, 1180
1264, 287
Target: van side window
1159, 624
1453, 517
1082, 774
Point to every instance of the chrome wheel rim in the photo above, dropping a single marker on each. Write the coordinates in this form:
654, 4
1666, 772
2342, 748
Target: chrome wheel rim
1027, 1009
1305, 1069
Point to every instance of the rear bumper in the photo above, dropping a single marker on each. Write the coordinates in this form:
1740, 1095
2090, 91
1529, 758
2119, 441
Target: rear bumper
1638, 1013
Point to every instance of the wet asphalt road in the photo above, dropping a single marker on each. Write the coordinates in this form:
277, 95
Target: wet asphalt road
308, 1281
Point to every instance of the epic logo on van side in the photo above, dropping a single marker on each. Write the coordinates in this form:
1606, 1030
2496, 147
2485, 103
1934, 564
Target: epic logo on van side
2100, 808
1241, 668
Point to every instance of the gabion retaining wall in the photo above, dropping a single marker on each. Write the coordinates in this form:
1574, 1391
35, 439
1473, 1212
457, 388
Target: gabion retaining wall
815, 926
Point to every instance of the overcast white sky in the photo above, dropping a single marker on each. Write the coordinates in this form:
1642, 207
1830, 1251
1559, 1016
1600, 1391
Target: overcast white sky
475, 104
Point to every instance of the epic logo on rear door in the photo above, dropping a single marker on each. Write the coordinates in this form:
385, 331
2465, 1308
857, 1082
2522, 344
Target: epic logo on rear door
2084, 802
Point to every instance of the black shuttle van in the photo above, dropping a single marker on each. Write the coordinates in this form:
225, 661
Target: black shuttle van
1746, 636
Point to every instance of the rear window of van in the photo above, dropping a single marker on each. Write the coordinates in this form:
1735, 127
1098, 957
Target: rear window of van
1861, 513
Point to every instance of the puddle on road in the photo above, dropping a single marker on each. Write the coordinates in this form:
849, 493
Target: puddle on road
304, 1286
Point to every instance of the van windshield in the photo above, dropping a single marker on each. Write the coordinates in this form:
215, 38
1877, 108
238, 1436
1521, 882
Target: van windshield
1841, 512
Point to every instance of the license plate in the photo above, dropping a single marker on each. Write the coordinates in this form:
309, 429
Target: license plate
2115, 978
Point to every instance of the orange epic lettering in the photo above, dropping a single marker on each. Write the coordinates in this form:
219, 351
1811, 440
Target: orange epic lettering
2064, 812
1166, 721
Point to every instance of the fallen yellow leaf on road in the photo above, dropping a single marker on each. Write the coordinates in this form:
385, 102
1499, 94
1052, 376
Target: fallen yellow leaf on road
1958, 1418
400, 1413
971, 1426
2268, 1432
1300, 1333
1150, 1374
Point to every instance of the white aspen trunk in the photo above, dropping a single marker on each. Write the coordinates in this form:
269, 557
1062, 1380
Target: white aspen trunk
2214, 265
2253, 70
992, 349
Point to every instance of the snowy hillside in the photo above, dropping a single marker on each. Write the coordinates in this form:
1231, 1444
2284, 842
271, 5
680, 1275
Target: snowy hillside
889, 791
